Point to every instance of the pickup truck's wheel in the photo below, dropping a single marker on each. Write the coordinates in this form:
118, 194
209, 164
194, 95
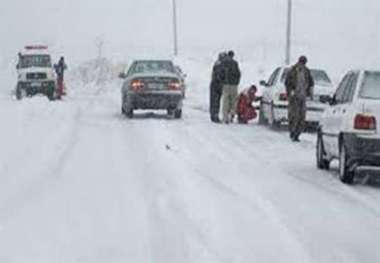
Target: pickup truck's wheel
322, 162
20, 93
262, 120
178, 113
345, 175
50, 94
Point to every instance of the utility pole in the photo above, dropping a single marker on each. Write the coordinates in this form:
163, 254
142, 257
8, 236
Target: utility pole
175, 28
288, 48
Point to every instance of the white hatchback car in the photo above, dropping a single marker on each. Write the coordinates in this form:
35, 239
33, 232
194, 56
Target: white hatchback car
349, 130
274, 102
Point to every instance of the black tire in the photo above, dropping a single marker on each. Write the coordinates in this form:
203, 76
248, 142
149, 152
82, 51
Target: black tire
345, 175
262, 120
127, 112
322, 162
178, 113
273, 123
20, 93
170, 111
50, 94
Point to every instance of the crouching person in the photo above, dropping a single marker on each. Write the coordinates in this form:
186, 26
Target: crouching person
245, 111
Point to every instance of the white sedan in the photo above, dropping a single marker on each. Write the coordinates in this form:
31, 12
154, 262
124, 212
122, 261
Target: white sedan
274, 102
349, 130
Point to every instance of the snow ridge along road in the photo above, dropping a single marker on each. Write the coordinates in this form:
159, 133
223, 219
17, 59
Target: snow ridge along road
80, 183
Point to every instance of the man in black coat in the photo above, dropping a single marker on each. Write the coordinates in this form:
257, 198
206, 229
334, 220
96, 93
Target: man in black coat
216, 88
231, 80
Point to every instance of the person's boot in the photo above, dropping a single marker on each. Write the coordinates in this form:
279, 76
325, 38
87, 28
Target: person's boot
215, 119
296, 138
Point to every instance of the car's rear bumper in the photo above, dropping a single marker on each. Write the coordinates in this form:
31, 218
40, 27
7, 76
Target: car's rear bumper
363, 151
154, 100
313, 112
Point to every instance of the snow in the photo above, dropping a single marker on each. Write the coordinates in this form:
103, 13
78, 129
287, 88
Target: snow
80, 183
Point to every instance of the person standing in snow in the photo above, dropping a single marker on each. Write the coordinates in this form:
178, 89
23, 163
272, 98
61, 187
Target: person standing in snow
245, 110
299, 85
60, 70
216, 88
231, 80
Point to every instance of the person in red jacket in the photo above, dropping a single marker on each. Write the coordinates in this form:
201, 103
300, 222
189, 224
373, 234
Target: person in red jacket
245, 110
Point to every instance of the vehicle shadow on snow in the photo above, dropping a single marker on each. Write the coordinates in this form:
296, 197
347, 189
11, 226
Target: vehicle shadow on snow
365, 179
150, 115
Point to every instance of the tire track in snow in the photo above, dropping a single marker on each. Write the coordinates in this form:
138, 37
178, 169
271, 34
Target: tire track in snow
256, 200
48, 176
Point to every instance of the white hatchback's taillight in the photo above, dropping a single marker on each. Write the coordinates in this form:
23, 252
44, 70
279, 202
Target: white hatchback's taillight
365, 122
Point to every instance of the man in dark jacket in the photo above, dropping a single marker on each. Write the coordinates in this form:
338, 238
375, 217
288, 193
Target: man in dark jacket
299, 85
216, 88
60, 70
231, 81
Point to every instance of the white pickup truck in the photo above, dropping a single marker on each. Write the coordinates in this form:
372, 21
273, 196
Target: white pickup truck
35, 73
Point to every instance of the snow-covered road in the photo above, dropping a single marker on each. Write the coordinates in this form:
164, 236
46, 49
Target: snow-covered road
80, 183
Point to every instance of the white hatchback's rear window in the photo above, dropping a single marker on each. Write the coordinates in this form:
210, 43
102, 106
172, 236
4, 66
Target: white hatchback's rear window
370, 88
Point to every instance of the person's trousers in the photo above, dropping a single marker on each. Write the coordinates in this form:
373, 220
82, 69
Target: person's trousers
230, 94
296, 116
215, 97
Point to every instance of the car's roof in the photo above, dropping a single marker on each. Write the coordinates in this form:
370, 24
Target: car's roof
289, 66
152, 60
35, 50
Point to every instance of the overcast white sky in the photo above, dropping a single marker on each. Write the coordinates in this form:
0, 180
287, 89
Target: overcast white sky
344, 29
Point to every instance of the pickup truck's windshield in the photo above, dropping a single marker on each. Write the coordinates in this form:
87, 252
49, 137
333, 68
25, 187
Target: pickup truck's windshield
28, 61
370, 88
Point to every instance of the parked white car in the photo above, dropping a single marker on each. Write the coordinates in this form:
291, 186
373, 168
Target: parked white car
349, 130
274, 102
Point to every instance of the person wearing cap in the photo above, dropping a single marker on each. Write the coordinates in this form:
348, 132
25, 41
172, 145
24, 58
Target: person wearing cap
299, 86
245, 111
216, 88
231, 80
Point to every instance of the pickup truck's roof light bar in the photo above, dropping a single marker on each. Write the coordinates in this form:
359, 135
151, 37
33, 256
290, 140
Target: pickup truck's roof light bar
36, 47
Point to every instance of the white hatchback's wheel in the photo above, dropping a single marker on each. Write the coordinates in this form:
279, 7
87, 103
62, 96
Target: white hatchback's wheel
322, 163
272, 118
345, 175
262, 120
